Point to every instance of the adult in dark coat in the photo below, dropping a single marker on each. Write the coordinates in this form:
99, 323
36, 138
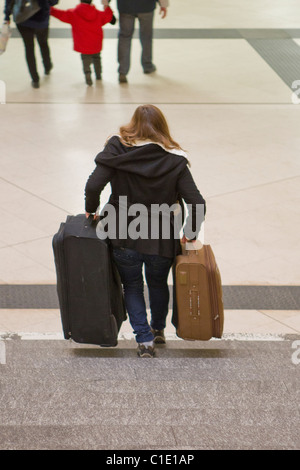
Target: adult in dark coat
36, 25
143, 10
149, 174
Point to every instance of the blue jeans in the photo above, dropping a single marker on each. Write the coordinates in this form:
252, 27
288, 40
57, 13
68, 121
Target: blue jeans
130, 266
125, 35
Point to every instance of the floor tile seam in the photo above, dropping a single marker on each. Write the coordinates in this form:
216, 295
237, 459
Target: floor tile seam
28, 256
254, 187
33, 194
210, 104
268, 257
187, 33
228, 310
56, 309
263, 312
242, 310
174, 433
159, 103
210, 197
24, 242
130, 337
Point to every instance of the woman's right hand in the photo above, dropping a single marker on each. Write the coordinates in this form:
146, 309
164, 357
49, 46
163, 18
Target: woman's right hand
186, 240
95, 216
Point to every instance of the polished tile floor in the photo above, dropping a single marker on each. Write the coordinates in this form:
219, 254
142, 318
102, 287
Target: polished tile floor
227, 105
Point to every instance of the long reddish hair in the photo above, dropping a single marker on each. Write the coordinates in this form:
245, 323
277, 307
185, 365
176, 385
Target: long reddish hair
148, 123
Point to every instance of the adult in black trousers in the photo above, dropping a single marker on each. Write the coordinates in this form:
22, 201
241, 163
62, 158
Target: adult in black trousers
37, 26
143, 10
148, 172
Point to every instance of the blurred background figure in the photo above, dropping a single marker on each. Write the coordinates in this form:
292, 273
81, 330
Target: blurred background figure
143, 10
86, 21
32, 20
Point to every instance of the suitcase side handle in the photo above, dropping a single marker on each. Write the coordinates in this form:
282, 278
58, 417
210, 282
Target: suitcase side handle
191, 248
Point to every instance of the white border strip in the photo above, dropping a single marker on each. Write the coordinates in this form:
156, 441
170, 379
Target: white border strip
2, 352
130, 336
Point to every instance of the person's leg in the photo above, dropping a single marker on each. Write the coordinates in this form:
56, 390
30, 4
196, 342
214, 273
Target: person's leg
130, 264
28, 39
42, 38
126, 25
86, 64
157, 269
146, 38
97, 65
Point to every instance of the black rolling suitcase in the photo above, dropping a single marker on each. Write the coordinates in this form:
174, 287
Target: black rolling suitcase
88, 285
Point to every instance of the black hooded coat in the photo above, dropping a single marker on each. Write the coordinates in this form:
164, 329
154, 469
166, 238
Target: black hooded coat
152, 176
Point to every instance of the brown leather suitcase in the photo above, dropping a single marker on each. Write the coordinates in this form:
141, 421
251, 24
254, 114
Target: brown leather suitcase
200, 311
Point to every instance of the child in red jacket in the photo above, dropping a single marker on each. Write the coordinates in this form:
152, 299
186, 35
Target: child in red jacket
86, 22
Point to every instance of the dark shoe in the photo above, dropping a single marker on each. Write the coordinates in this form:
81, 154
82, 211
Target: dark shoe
159, 336
145, 351
88, 79
48, 70
122, 78
35, 84
153, 69
98, 77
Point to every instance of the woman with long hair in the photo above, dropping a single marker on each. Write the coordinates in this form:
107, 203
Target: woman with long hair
148, 172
